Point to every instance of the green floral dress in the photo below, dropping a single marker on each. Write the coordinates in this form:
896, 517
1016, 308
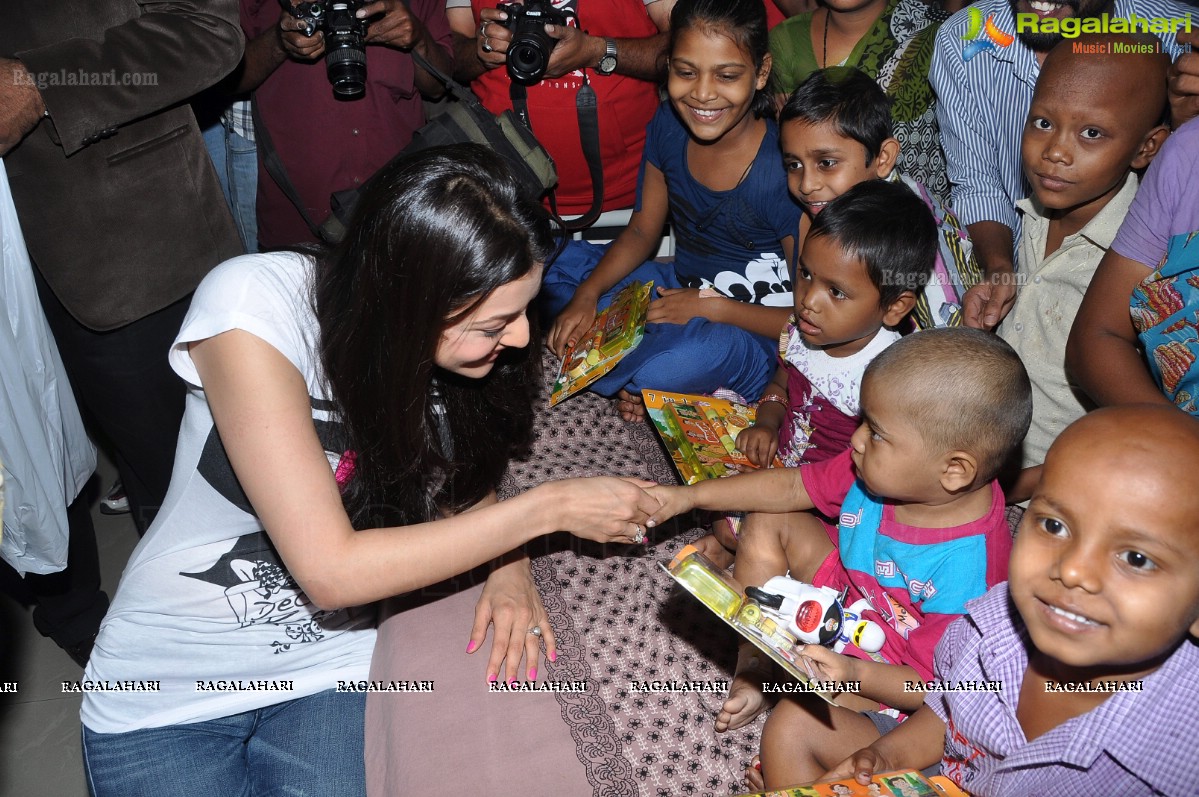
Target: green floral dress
897, 53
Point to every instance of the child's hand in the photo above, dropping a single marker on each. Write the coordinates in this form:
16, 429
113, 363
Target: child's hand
987, 303
713, 548
1184, 80
759, 444
672, 501
825, 665
861, 766
676, 306
572, 323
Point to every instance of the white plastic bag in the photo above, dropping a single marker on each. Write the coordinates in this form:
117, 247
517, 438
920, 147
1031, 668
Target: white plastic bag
45, 452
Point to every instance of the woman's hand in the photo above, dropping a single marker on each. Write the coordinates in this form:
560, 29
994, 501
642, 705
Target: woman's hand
676, 306
572, 323
602, 508
759, 444
511, 603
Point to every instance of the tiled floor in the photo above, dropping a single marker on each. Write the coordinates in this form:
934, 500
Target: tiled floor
39, 725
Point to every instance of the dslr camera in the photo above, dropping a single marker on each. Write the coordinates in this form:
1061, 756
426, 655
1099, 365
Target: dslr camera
530, 48
345, 48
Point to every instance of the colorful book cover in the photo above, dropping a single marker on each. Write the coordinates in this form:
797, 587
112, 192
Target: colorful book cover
700, 433
901, 783
616, 331
714, 589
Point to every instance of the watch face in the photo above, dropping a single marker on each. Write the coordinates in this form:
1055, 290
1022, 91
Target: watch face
607, 64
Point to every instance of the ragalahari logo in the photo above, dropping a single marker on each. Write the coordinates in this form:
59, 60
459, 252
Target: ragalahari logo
982, 36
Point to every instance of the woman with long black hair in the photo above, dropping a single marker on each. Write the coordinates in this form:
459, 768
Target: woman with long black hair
349, 415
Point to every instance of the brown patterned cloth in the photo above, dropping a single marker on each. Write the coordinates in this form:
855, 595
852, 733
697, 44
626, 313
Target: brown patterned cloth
633, 625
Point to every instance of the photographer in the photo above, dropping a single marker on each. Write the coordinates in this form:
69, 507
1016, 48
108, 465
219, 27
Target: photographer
627, 95
327, 144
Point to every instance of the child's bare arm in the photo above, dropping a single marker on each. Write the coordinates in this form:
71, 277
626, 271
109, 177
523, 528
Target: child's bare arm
775, 490
680, 305
917, 743
1021, 489
760, 442
882, 683
756, 318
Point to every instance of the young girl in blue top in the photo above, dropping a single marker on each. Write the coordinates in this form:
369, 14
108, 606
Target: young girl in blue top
712, 166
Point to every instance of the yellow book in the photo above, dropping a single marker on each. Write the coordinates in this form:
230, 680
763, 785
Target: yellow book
700, 433
616, 331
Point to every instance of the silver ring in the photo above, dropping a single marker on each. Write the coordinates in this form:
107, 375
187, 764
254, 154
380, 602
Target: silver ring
485, 47
535, 630
640, 533
482, 29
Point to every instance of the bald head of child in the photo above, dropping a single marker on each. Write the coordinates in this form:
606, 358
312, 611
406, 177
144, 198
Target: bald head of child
1105, 565
1098, 112
962, 393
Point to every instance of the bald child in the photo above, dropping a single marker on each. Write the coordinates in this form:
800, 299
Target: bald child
1091, 640
1096, 118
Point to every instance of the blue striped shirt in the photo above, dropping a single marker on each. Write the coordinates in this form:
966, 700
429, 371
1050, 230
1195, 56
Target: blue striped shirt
982, 105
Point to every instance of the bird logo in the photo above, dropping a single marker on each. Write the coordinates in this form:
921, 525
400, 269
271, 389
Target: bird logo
982, 35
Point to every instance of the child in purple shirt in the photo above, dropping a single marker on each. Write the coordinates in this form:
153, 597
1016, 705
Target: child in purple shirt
1087, 644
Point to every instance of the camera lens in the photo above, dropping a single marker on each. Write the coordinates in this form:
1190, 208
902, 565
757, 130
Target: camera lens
345, 63
527, 61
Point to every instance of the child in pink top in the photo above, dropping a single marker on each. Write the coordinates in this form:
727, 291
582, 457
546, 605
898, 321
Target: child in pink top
921, 531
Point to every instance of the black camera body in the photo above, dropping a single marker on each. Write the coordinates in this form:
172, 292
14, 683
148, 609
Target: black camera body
530, 48
345, 45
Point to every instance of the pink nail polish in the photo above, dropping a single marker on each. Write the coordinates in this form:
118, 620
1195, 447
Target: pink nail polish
471, 647
492, 678
533, 674
511, 682
553, 655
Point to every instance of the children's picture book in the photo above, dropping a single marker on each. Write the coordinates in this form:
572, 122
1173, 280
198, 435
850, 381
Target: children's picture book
616, 331
716, 590
901, 783
700, 433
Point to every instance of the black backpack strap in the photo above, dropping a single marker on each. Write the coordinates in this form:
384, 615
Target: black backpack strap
274, 167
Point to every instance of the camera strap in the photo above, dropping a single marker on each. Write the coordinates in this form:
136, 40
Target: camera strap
586, 107
331, 230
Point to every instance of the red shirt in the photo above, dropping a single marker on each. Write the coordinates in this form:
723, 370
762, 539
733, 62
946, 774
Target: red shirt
625, 107
773, 15
328, 145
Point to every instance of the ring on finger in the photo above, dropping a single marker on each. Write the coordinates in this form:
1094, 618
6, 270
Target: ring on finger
483, 29
535, 630
486, 46
640, 535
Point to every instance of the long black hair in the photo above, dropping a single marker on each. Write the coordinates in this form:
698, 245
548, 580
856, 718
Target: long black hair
432, 237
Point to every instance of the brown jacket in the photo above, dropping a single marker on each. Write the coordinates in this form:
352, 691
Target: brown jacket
117, 197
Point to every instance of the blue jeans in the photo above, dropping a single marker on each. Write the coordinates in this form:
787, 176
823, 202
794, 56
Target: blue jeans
308, 747
236, 161
697, 357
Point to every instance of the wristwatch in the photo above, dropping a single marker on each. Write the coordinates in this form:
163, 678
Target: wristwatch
607, 64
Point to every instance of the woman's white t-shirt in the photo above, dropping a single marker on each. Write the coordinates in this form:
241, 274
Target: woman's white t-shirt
207, 622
